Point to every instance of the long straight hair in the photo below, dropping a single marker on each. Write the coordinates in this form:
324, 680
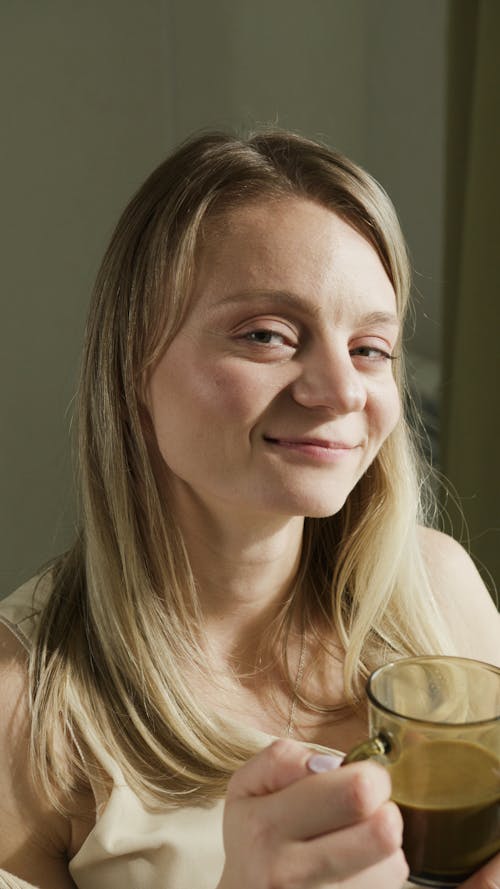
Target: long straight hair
123, 617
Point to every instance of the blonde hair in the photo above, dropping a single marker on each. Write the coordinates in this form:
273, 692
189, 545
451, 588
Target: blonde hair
124, 616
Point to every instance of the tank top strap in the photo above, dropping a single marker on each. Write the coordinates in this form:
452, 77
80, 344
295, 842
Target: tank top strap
20, 610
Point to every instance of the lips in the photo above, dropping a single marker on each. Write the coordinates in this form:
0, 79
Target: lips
325, 443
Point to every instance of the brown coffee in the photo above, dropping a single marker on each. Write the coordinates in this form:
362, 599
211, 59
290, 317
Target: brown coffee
449, 796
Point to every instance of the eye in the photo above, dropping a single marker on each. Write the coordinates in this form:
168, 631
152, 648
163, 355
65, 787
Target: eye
372, 353
266, 337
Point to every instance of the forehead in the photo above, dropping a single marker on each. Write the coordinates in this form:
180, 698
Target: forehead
289, 245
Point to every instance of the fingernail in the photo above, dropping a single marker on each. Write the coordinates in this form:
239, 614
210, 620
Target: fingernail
323, 762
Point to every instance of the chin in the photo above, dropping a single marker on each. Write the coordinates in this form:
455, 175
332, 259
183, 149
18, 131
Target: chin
320, 507
323, 511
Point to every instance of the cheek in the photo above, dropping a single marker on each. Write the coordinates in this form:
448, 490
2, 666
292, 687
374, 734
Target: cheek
237, 393
231, 394
386, 408
198, 400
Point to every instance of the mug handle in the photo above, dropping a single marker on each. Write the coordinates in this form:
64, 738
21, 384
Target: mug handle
379, 745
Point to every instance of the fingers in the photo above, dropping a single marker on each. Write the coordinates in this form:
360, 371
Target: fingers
301, 805
345, 852
486, 878
337, 856
274, 768
318, 804
368, 853
292, 818
391, 873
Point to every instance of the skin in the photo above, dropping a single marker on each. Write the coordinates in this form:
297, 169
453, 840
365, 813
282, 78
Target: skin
280, 344
291, 320
246, 387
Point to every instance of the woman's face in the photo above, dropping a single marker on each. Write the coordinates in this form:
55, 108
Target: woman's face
278, 391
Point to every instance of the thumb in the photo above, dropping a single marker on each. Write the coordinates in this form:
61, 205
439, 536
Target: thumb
486, 878
277, 766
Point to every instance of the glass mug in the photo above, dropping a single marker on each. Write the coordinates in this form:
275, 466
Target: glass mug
435, 724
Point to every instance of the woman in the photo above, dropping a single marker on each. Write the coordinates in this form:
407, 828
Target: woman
251, 545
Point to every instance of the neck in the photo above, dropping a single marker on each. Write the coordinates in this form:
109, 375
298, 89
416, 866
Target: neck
245, 568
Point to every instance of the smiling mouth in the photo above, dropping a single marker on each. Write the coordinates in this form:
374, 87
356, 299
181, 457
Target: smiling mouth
315, 448
311, 442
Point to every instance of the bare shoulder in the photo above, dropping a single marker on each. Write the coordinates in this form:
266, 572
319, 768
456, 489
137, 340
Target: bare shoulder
462, 595
33, 838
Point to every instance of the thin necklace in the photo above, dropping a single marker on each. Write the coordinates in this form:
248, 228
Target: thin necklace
290, 728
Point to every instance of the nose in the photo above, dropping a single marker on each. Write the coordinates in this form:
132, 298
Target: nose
328, 379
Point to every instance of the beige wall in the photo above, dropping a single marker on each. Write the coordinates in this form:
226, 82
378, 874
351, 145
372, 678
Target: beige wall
96, 93
288, 62
84, 116
405, 138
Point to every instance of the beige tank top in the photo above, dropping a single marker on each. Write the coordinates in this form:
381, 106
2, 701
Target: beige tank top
130, 847
179, 848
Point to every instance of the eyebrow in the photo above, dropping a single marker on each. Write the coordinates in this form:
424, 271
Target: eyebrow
293, 300
373, 318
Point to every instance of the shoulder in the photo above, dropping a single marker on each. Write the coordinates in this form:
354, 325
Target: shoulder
462, 596
20, 610
34, 838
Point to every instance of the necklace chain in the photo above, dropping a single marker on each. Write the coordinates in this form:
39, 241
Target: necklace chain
290, 727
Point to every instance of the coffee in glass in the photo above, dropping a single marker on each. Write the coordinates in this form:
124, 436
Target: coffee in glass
435, 724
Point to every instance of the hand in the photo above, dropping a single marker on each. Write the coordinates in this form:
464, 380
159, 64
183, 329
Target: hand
486, 878
292, 819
